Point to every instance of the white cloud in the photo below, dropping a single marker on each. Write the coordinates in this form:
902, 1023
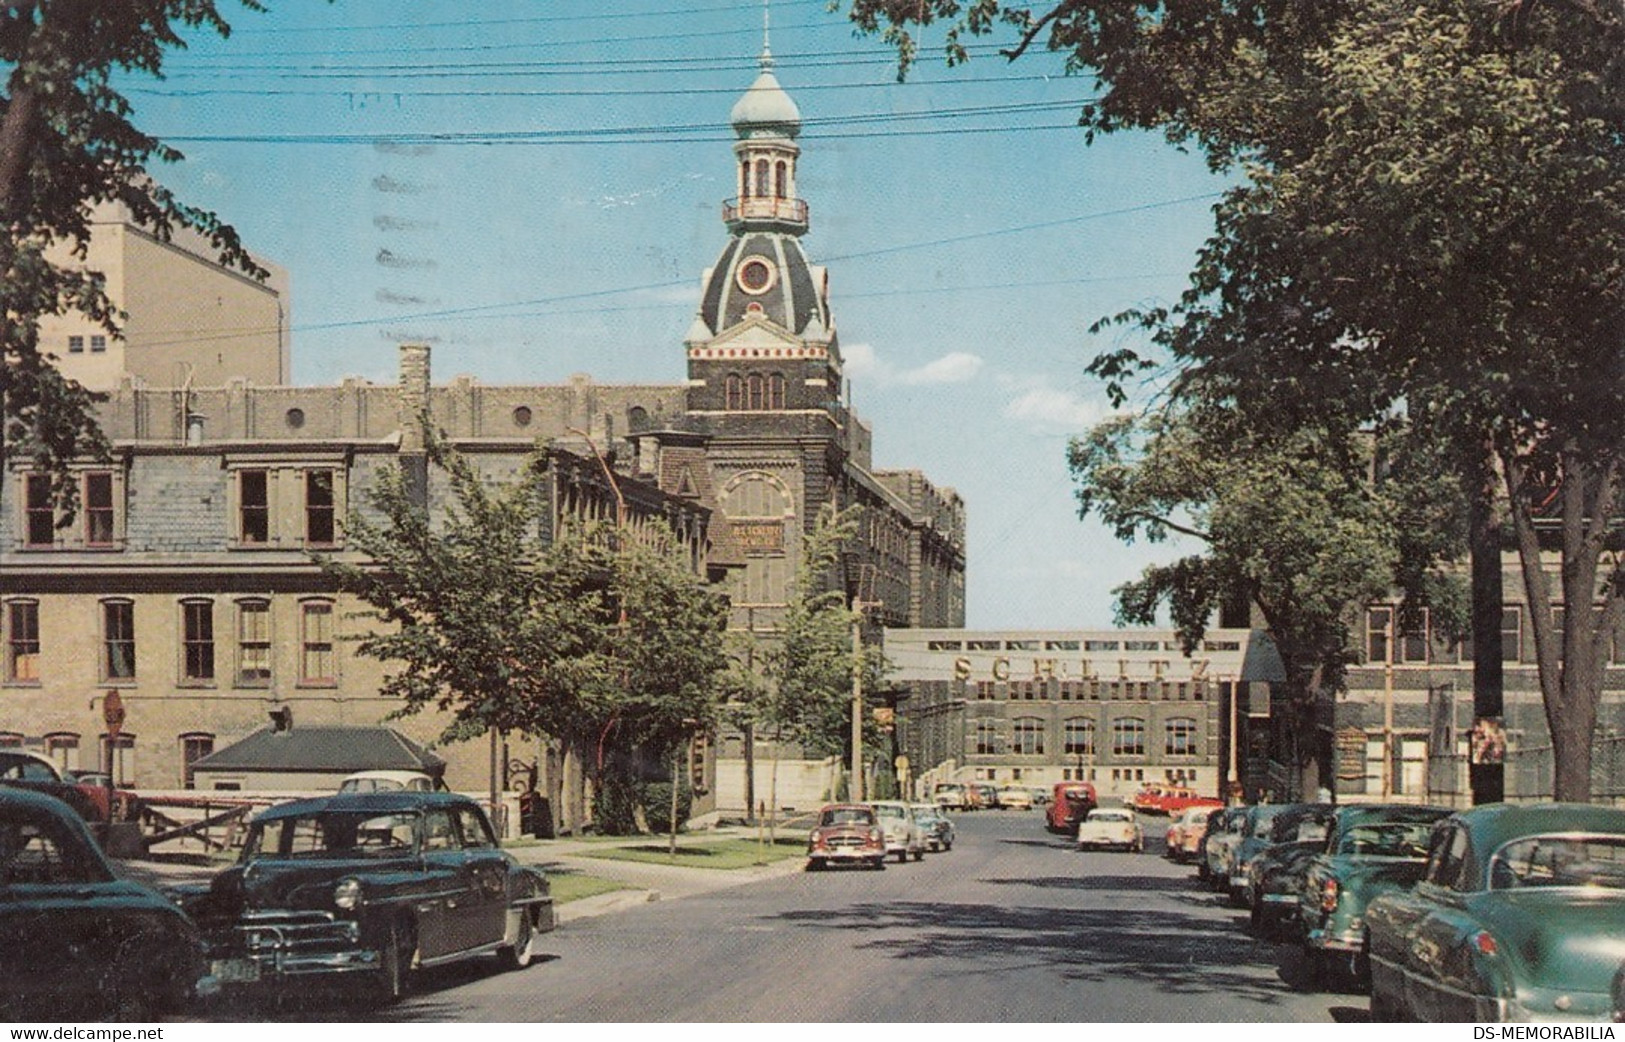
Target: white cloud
1047, 409
956, 367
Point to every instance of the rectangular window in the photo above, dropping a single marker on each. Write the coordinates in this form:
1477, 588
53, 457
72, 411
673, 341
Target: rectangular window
194, 747
1378, 627
76, 345
98, 344
1413, 642
118, 640
1511, 632
99, 508
316, 644
1180, 737
39, 521
22, 642
254, 643
197, 640
319, 526
254, 506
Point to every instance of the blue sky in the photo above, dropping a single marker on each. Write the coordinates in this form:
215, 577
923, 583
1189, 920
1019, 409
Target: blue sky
534, 188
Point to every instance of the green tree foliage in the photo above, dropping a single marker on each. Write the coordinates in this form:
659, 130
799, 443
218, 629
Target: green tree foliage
809, 700
67, 142
1429, 209
600, 637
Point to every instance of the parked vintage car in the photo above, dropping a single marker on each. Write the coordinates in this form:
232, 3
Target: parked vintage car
904, 839
950, 796
1268, 824
934, 823
1371, 850
369, 884
21, 769
1015, 797
1186, 829
983, 795
390, 781
1070, 802
846, 834
1156, 798
80, 942
1111, 828
1275, 881
1520, 915
1223, 836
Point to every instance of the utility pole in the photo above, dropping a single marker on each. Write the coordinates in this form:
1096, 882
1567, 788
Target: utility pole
857, 787
1388, 707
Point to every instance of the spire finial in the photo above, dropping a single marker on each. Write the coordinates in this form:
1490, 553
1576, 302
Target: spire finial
767, 52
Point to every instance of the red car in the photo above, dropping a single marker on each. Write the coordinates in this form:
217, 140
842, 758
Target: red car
1167, 799
846, 834
22, 769
1070, 803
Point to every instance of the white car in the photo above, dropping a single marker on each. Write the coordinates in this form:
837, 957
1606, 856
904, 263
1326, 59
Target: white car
389, 781
1114, 827
903, 835
1016, 798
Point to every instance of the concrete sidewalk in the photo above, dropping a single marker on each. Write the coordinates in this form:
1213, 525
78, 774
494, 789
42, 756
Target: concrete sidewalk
643, 882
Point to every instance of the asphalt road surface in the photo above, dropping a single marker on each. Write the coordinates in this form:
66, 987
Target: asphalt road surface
1011, 925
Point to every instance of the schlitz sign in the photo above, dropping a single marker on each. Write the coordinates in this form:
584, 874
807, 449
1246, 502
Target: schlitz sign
759, 535
1004, 667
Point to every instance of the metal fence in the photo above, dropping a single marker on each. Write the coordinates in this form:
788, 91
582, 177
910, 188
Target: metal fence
1529, 774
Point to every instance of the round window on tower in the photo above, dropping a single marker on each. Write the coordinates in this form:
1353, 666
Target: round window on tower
756, 276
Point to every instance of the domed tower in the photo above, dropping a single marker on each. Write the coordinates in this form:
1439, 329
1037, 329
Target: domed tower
763, 340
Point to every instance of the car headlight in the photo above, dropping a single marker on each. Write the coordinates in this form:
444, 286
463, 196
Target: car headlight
347, 894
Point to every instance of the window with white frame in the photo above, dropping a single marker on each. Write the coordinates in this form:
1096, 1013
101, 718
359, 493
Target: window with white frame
1128, 736
1028, 735
316, 662
1078, 736
987, 737
197, 640
253, 643
118, 640
22, 641
1179, 736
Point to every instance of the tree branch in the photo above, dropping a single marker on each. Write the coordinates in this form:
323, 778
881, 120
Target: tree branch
1031, 34
1164, 522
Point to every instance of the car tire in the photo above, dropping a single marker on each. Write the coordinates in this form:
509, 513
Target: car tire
522, 951
919, 855
391, 978
902, 856
948, 845
878, 864
815, 864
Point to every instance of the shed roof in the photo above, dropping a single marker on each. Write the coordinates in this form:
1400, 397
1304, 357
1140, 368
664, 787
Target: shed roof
324, 750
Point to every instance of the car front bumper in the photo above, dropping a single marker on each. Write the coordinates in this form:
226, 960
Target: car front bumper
270, 946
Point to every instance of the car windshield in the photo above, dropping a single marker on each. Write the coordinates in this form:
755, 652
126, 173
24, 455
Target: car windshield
371, 785
25, 768
1389, 839
349, 834
1110, 815
890, 811
46, 853
846, 816
1584, 860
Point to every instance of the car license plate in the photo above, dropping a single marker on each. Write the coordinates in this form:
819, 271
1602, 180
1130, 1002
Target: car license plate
235, 971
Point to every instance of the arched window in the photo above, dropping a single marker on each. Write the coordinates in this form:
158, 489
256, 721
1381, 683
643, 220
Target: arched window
744, 179
753, 387
734, 393
775, 390
1128, 736
1180, 737
987, 737
63, 749
1078, 736
781, 180
195, 745
1029, 736
764, 185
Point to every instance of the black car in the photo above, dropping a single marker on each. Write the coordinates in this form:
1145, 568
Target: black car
371, 885
79, 942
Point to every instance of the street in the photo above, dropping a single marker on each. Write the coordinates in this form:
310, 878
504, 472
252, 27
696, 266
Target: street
1011, 925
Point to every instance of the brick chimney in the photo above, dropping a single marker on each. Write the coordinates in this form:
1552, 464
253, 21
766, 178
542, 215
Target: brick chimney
414, 395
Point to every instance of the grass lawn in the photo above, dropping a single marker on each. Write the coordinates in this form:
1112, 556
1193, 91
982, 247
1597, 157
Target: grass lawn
573, 886
725, 854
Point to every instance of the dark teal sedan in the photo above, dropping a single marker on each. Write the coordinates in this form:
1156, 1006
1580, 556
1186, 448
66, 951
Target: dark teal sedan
1520, 915
1370, 850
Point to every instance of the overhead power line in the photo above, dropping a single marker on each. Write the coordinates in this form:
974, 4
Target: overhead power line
600, 16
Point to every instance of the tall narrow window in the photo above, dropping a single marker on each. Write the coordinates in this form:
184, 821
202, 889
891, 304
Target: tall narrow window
254, 506
319, 526
1029, 736
987, 737
316, 643
194, 747
781, 180
753, 391
118, 640
62, 747
254, 643
735, 392
764, 186
744, 179
775, 391
1379, 623
99, 508
39, 523
118, 756
197, 640
1511, 632
22, 642
1413, 641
